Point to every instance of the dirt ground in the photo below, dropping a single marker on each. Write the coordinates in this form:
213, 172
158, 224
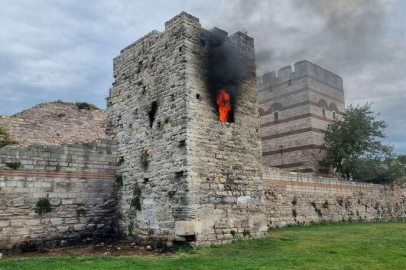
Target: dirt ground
101, 249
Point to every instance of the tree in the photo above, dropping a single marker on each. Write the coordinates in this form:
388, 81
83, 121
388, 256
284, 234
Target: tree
5, 138
355, 152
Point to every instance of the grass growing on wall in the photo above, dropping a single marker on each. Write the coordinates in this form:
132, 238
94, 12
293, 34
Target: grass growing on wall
337, 246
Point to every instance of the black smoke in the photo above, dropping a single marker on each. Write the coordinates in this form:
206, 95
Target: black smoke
226, 67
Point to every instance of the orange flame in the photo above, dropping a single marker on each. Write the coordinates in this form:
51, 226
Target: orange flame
224, 104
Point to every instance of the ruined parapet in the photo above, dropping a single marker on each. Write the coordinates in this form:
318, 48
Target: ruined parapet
187, 176
55, 123
295, 107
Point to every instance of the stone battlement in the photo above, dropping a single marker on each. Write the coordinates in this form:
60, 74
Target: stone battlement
301, 68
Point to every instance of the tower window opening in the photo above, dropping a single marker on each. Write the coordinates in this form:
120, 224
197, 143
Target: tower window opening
276, 116
334, 115
324, 112
152, 113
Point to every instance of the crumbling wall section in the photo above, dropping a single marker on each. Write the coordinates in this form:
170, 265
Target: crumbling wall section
54, 123
76, 180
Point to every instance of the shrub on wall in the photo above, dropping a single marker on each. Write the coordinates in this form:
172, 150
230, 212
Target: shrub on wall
130, 229
13, 165
119, 180
86, 106
144, 160
43, 206
81, 212
136, 201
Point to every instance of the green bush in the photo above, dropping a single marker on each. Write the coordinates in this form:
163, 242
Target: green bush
325, 204
86, 106
120, 161
314, 205
81, 212
144, 160
119, 180
43, 206
130, 229
136, 201
13, 165
5, 138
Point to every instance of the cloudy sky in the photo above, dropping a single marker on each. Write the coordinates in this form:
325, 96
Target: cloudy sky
63, 49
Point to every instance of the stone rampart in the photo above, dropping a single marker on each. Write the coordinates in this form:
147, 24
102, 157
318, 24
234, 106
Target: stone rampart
299, 198
77, 180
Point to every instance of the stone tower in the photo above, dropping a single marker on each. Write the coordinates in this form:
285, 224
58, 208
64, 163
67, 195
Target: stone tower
295, 107
184, 175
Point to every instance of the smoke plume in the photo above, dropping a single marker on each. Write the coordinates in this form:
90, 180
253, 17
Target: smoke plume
225, 70
360, 40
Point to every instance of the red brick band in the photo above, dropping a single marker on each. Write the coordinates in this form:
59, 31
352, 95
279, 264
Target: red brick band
64, 174
291, 165
308, 102
270, 182
290, 133
298, 117
305, 89
267, 88
293, 149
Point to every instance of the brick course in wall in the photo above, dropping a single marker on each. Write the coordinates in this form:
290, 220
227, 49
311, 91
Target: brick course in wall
71, 177
54, 123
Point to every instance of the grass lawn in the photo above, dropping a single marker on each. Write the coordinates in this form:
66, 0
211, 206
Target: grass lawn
339, 246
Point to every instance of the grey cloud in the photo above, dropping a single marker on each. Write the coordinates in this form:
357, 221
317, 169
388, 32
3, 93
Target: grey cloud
56, 49
360, 40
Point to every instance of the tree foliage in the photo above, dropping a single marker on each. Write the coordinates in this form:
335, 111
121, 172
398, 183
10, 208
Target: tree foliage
355, 151
5, 138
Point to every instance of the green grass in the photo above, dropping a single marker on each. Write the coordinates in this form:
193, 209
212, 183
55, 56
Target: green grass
339, 246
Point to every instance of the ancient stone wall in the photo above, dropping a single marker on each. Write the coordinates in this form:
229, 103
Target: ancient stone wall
187, 176
55, 123
77, 179
298, 198
295, 107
